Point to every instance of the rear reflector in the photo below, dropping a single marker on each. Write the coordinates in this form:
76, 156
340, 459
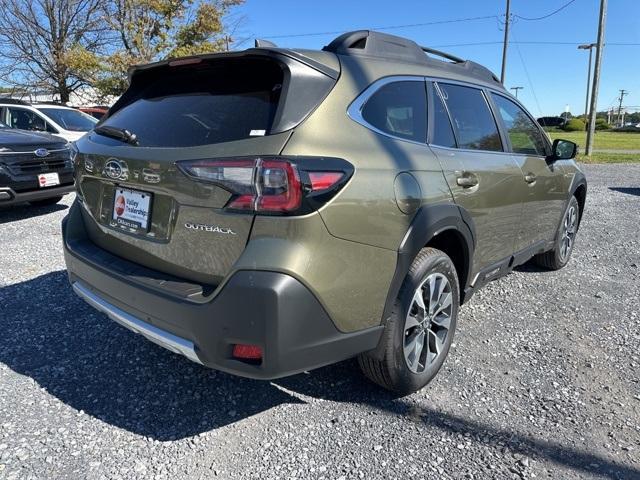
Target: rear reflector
247, 352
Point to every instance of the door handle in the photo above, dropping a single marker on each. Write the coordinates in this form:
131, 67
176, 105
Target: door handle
467, 180
530, 178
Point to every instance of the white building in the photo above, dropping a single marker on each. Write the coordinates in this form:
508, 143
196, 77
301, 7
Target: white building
82, 97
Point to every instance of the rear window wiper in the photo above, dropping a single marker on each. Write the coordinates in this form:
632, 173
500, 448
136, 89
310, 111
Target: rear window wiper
117, 133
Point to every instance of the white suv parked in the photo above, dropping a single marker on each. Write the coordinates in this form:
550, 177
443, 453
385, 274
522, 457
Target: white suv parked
66, 122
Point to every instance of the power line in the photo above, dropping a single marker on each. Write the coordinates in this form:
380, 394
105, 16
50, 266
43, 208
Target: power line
534, 42
388, 27
526, 71
545, 16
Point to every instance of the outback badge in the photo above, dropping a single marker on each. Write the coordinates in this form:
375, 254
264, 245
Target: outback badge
209, 228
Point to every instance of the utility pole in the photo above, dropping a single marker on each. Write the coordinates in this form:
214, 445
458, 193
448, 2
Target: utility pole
596, 77
622, 94
516, 90
506, 40
587, 46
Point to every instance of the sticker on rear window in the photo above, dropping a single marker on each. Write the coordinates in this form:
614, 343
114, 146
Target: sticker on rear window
257, 133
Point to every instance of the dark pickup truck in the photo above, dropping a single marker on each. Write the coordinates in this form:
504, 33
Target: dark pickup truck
34, 167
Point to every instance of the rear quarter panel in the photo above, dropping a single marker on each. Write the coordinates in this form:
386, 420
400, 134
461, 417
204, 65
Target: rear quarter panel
351, 267
366, 211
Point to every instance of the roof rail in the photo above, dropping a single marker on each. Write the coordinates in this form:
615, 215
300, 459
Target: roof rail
383, 45
438, 53
13, 101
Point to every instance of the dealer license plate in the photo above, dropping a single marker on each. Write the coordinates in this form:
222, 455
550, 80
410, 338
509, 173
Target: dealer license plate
48, 180
131, 208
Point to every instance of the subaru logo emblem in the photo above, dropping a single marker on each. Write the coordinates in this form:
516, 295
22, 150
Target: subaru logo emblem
41, 152
116, 170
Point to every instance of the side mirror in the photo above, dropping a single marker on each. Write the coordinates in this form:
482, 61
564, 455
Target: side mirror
563, 150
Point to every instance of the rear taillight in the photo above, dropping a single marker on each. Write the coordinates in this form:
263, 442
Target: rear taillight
324, 180
272, 185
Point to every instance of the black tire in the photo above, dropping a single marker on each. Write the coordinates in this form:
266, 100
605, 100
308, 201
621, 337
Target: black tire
557, 258
46, 201
393, 371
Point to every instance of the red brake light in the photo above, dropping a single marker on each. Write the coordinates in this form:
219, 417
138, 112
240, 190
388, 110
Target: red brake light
279, 186
184, 61
324, 180
243, 202
272, 184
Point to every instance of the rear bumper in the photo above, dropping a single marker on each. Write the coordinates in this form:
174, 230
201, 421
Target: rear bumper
8, 196
269, 309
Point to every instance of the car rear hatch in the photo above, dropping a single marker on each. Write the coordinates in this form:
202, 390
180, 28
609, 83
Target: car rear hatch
145, 206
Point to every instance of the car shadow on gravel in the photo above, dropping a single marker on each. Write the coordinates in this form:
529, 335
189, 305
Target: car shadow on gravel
95, 366
628, 190
23, 211
343, 383
530, 267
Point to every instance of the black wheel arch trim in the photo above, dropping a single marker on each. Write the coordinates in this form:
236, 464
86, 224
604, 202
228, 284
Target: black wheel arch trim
579, 180
428, 222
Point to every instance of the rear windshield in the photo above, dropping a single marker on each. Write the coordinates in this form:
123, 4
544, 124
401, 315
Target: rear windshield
202, 104
68, 119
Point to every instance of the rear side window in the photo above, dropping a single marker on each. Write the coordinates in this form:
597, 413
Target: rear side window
475, 126
399, 109
203, 104
524, 135
26, 120
442, 130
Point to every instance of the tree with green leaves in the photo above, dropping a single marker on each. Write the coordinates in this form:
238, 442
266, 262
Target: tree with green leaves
60, 46
151, 30
37, 38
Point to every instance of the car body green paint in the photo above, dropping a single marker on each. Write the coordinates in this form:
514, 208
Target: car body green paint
346, 252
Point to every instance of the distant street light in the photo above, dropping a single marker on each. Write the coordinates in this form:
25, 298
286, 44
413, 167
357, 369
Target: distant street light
587, 46
516, 90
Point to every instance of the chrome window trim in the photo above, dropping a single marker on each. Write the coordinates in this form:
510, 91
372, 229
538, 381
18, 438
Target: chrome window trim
354, 111
470, 150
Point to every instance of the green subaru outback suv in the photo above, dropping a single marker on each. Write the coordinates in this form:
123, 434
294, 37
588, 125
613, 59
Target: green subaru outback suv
270, 211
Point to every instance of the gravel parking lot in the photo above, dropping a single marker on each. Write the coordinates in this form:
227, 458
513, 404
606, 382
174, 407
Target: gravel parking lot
543, 380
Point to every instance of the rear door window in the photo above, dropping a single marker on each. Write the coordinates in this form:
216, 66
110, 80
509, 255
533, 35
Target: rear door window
473, 121
202, 105
399, 109
524, 135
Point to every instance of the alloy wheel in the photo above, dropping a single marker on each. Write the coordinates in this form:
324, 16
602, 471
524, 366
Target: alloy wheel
569, 229
427, 323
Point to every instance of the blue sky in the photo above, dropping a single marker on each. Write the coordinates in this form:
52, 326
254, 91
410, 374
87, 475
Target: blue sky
557, 73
